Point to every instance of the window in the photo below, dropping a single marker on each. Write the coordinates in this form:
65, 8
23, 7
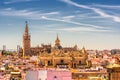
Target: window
55, 77
79, 62
62, 61
49, 63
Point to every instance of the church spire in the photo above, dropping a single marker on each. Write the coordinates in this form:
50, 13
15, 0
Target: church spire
57, 41
26, 28
57, 38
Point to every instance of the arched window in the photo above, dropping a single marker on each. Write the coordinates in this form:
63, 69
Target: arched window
49, 62
79, 62
61, 61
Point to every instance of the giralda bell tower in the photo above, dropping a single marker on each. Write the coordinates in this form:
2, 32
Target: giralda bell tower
26, 41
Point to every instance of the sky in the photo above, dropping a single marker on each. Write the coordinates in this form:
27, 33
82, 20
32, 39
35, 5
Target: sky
94, 24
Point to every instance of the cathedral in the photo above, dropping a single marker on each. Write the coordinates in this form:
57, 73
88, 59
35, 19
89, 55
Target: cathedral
56, 55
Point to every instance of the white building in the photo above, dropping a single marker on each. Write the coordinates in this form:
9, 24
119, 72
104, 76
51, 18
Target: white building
48, 75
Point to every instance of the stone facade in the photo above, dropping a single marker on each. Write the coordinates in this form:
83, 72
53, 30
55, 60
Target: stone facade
54, 56
114, 73
59, 58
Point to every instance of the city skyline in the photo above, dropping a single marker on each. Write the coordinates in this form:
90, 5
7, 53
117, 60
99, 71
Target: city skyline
92, 24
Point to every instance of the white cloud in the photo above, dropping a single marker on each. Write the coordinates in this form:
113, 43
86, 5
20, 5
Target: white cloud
36, 15
96, 10
16, 1
69, 17
7, 9
107, 6
25, 13
115, 18
71, 22
11, 12
51, 13
83, 29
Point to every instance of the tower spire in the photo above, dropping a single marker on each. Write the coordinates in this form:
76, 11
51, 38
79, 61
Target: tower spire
57, 41
57, 37
26, 41
26, 28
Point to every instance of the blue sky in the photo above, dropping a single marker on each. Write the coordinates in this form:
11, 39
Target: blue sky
94, 24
